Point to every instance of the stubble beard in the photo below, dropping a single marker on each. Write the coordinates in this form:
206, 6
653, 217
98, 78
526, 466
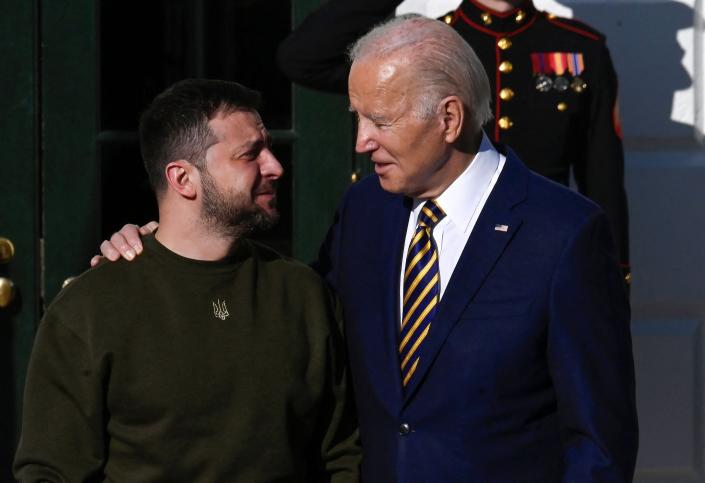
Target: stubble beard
234, 214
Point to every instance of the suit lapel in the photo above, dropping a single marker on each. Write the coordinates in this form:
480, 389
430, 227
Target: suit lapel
383, 327
479, 256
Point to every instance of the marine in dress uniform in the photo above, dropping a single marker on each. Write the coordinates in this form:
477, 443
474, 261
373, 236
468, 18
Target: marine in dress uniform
555, 100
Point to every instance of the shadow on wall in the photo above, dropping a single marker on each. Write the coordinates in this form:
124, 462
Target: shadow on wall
648, 60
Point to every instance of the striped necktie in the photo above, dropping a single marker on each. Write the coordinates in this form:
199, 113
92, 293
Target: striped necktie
421, 289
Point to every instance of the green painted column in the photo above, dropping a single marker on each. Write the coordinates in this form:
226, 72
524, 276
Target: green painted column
71, 167
19, 209
323, 157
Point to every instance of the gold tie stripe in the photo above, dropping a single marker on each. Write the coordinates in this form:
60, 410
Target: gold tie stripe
421, 290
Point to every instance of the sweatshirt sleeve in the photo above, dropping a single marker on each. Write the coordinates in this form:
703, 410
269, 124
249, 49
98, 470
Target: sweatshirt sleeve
63, 432
340, 445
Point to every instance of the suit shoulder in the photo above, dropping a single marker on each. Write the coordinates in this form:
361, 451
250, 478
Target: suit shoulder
563, 205
574, 27
369, 190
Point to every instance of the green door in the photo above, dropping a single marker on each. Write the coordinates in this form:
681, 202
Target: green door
19, 215
74, 77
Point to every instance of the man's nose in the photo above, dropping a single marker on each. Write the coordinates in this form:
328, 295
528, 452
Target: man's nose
365, 143
270, 167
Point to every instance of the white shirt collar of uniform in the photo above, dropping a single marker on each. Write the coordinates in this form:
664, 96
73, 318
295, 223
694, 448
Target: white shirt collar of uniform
461, 199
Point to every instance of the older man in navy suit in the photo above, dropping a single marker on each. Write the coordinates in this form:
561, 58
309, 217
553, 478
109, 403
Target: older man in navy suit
487, 323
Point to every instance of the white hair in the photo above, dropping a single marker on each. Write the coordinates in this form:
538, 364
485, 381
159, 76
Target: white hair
444, 63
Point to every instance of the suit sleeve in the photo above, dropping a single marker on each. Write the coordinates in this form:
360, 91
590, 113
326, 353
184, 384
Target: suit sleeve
314, 55
590, 358
63, 433
328, 262
600, 173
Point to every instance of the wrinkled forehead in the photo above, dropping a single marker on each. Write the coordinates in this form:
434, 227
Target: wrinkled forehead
381, 72
381, 78
241, 112
236, 123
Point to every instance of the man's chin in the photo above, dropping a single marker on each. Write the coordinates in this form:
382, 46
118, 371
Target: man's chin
265, 219
390, 185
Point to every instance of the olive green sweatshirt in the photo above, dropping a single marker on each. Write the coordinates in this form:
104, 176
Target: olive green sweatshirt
167, 369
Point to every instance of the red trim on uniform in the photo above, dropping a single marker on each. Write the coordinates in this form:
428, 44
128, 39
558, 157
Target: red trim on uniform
455, 18
497, 89
616, 120
521, 29
577, 30
479, 27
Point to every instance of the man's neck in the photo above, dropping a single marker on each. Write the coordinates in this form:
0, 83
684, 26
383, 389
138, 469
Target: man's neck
501, 5
189, 237
458, 160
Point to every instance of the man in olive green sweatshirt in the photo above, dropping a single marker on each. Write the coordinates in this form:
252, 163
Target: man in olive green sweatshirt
210, 358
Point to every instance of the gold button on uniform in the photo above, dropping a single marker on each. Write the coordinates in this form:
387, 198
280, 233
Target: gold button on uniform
506, 67
506, 94
448, 19
504, 43
551, 16
505, 123
521, 16
562, 106
486, 18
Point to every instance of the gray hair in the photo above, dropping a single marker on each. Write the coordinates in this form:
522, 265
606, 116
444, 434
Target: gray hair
443, 61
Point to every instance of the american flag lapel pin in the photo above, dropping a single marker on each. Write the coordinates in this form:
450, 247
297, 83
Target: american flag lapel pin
502, 228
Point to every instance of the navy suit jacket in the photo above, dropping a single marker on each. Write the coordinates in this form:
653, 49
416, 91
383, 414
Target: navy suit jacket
529, 373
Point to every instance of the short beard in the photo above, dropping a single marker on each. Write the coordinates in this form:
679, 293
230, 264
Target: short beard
233, 214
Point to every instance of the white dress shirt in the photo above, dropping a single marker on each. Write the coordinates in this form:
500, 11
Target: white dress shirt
462, 203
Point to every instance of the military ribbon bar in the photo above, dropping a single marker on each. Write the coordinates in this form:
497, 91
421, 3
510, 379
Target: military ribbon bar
557, 63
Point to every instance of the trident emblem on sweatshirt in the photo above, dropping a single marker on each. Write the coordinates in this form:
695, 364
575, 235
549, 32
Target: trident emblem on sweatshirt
220, 310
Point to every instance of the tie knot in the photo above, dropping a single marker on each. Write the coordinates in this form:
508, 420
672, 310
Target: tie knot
430, 214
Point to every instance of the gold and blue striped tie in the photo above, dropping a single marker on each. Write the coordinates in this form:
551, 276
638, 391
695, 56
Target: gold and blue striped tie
421, 290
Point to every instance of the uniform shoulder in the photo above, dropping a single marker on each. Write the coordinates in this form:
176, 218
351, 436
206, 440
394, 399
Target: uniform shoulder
574, 26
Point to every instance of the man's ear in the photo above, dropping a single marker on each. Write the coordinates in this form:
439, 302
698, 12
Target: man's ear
182, 177
453, 116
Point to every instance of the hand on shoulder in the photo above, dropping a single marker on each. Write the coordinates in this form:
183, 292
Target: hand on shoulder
126, 243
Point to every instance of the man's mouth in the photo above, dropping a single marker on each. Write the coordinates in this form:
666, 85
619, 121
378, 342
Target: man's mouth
381, 167
269, 189
266, 194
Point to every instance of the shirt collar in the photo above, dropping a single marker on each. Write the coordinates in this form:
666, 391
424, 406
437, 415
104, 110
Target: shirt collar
461, 199
496, 23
